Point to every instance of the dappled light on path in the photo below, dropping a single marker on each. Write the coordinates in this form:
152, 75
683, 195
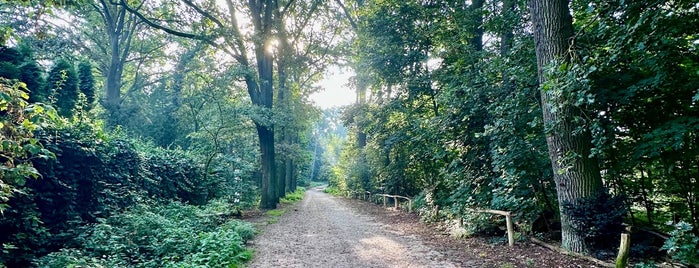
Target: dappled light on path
377, 247
323, 232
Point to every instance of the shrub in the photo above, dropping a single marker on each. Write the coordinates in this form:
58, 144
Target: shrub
683, 245
332, 190
92, 175
293, 196
151, 235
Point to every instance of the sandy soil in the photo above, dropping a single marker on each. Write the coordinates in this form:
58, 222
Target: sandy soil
326, 231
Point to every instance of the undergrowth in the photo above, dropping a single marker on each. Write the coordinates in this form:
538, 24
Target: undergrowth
290, 198
154, 235
294, 196
332, 190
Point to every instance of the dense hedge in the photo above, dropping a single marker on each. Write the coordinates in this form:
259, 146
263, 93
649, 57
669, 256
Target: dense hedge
92, 176
169, 235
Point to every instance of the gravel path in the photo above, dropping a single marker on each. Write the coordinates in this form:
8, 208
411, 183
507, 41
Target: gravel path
322, 231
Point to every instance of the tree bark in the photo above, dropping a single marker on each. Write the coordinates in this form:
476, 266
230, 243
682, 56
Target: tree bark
477, 11
287, 133
120, 28
508, 8
262, 95
576, 174
268, 187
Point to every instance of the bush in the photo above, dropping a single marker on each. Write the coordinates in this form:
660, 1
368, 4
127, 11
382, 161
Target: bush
150, 235
332, 190
683, 245
92, 175
293, 196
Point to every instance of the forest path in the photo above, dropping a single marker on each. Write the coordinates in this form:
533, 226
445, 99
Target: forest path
326, 231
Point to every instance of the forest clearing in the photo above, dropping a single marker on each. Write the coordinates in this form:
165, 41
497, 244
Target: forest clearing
456, 133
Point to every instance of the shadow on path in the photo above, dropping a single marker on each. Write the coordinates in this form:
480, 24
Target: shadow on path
322, 232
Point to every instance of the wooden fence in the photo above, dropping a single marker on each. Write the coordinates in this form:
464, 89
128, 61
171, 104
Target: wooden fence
508, 222
367, 196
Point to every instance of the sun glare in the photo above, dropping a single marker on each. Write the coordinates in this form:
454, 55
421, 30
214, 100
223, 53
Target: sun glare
335, 89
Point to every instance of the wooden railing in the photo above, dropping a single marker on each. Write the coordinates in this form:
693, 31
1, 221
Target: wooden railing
508, 222
396, 201
383, 198
367, 196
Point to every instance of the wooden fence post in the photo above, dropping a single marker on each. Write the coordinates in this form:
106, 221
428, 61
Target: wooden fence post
622, 260
508, 219
510, 230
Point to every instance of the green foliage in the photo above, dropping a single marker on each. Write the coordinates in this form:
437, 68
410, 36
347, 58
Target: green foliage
63, 84
87, 82
10, 55
16, 63
274, 215
483, 224
683, 244
467, 129
93, 175
32, 75
275, 212
645, 265
641, 70
332, 190
450, 119
463, 131
172, 235
9, 70
294, 196
18, 122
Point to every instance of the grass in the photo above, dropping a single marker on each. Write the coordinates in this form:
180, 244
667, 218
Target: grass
294, 196
332, 190
289, 199
274, 215
317, 183
275, 212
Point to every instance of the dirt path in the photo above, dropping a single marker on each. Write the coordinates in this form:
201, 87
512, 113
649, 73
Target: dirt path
322, 231
325, 231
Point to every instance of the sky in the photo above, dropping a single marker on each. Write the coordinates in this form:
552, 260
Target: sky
334, 89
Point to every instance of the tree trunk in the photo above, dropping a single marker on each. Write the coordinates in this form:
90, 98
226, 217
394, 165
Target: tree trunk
262, 95
268, 187
508, 9
288, 175
477, 11
113, 82
120, 26
576, 174
284, 101
265, 131
294, 176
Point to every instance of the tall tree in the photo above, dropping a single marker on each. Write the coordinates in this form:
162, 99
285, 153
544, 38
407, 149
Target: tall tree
120, 27
87, 82
63, 87
253, 52
576, 174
